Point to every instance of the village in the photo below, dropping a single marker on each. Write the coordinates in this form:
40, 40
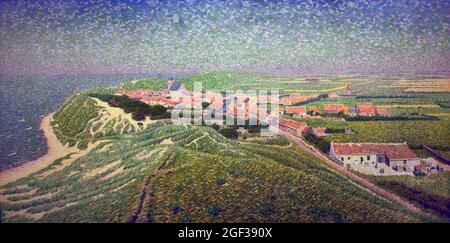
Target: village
368, 158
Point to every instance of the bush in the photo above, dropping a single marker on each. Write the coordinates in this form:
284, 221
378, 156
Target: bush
229, 132
139, 109
176, 208
214, 210
419, 173
319, 142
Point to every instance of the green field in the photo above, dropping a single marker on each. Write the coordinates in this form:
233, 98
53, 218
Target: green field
431, 192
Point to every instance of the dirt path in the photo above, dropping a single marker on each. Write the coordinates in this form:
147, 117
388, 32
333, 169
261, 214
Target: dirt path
147, 195
359, 180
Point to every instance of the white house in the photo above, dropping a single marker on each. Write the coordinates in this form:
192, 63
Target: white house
375, 158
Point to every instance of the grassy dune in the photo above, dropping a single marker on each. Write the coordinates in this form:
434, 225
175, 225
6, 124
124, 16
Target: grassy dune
200, 176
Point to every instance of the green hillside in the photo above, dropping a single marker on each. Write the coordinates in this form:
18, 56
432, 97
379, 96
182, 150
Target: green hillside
169, 173
84, 119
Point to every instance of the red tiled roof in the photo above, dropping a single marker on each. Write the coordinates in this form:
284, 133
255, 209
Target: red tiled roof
365, 108
319, 130
335, 107
392, 150
299, 126
383, 112
295, 109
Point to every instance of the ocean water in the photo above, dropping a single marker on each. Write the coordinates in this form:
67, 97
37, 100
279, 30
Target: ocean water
23, 100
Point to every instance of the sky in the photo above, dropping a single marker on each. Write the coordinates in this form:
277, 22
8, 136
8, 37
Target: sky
175, 37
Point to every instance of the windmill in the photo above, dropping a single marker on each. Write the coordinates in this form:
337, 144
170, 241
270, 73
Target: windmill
348, 89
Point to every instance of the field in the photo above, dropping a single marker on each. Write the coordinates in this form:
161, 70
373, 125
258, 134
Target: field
423, 86
193, 174
431, 192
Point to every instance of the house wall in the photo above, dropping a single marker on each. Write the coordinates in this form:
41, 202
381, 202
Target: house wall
404, 165
362, 159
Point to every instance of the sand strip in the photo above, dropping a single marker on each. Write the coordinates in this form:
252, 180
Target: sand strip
55, 151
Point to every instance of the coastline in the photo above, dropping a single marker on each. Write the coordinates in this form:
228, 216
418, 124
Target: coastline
55, 151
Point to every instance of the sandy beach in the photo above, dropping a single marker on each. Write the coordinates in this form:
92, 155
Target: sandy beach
55, 151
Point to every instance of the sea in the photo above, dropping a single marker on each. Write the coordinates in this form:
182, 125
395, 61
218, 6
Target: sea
25, 99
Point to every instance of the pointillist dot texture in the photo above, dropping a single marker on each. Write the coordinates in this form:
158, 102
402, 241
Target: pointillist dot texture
97, 36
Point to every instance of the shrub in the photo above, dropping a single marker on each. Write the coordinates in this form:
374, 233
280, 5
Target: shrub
319, 142
229, 132
214, 210
176, 208
138, 108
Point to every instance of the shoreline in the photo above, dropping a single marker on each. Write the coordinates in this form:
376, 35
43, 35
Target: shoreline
55, 151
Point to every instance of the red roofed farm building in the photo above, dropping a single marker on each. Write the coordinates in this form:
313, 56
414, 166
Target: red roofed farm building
296, 110
380, 158
294, 127
335, 108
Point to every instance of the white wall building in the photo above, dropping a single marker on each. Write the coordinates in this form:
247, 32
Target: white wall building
375, 158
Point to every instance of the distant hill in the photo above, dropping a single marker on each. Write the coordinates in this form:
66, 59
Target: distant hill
221, 81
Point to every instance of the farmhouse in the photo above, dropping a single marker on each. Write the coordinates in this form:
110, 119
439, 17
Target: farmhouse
293, 127
335, 108
375, 158
366, 109
296, 110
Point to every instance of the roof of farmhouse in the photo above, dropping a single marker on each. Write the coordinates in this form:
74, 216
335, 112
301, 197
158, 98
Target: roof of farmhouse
392, 150
293, 124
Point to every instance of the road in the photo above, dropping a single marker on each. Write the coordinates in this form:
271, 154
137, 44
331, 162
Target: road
359, 180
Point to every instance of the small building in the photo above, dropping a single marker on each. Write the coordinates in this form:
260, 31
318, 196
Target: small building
366, 109
320, 131
296, 110
334, 108
294, 127
375, 158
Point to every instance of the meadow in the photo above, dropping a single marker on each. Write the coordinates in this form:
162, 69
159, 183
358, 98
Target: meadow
430, 192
